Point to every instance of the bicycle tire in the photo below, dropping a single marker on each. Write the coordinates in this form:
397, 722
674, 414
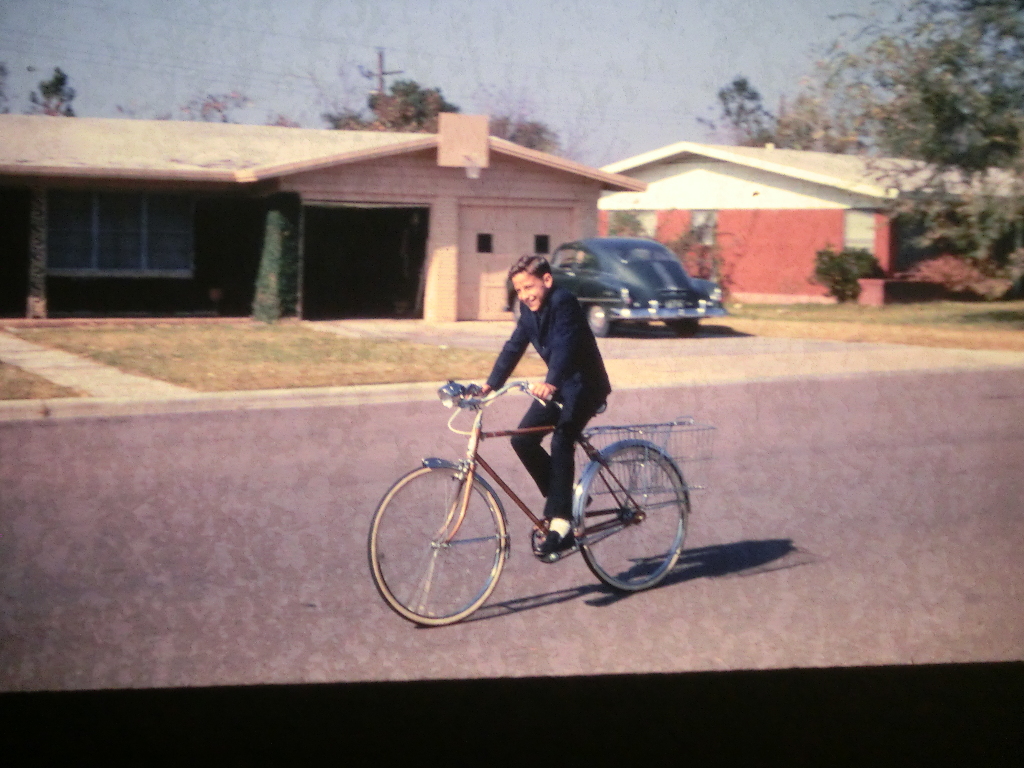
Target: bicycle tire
422, 576
627, 551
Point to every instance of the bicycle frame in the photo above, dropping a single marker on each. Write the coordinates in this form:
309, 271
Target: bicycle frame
473, 460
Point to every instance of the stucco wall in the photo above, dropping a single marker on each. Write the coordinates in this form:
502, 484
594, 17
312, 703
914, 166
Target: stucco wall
459, 284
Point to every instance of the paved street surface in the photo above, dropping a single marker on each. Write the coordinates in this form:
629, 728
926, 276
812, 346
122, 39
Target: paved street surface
858, 517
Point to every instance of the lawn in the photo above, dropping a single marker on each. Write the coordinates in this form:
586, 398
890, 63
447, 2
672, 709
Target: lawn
974, 314
16, 384
963, 325
245, 356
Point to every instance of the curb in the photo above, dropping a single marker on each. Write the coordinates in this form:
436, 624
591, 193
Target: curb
320, 397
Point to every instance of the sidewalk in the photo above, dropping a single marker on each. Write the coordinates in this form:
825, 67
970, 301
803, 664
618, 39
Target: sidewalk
633, 363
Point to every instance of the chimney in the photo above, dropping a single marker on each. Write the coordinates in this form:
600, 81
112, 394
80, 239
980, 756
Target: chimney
463, 142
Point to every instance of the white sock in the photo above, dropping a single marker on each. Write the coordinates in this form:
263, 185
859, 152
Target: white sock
560, 525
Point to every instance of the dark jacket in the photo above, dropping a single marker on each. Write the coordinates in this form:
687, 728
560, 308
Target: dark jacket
561, 336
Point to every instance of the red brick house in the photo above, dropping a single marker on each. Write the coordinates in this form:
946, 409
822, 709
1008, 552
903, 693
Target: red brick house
768, 211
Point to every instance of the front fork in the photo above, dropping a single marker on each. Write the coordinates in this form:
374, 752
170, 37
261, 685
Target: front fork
466, 474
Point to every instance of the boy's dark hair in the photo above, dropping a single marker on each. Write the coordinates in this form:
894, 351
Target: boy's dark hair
531, 264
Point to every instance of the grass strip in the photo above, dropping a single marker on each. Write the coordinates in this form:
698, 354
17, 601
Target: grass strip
217, 358
18, 384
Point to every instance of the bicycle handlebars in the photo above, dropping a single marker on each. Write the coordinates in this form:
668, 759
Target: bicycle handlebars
468, 396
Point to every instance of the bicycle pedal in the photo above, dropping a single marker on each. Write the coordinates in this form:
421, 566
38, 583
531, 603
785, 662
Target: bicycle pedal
554, 557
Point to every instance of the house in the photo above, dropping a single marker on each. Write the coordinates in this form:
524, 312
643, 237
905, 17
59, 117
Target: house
118, 217
767, 211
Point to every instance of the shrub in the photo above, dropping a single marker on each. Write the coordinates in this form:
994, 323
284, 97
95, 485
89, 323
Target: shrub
624, 224
839, 271
701, 261
951, 272
959, 275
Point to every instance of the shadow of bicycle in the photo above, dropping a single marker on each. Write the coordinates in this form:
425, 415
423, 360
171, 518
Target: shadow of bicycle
742, 558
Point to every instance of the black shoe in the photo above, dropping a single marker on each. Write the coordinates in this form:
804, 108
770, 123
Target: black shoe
554, 544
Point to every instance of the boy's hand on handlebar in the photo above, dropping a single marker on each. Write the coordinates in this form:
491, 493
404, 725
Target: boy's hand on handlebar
485, 390
543, 390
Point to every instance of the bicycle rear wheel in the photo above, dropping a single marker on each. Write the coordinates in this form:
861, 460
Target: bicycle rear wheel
634, 521
429, 566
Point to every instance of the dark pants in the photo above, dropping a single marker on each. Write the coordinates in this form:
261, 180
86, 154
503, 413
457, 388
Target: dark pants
553, 474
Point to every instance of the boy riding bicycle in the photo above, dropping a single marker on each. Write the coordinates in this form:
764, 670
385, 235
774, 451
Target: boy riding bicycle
575, 388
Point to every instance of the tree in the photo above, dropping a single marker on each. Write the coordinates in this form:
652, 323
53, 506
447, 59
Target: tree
408, 107
940, 82
819, 119
282, 121
945, 85
532, 134
823, 117
943, 82
743, 112
54, 97
214, 107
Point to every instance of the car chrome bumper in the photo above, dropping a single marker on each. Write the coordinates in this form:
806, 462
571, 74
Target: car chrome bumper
666, 313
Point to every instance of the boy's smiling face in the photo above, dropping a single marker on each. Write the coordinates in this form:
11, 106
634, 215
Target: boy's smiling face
531, 289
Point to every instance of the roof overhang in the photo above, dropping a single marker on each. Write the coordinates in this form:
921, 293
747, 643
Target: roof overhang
611, 181
867, 184
159, 150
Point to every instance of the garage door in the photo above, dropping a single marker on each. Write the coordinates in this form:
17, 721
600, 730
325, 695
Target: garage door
491, 239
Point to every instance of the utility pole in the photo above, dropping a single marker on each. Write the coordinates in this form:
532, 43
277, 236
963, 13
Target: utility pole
380, 73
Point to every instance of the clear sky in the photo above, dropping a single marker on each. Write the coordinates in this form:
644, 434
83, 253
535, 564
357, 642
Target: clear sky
613, 77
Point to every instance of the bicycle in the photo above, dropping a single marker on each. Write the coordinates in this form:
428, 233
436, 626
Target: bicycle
439, 537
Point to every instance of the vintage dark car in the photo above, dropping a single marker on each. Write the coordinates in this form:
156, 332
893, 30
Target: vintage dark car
631, 280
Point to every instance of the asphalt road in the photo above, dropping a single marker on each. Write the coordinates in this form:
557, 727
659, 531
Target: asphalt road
863, 520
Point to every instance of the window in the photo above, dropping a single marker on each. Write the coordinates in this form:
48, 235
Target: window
587, 262
859, 230
703, 225
541, 244
484, 243
648, 221
98, 234
564, 258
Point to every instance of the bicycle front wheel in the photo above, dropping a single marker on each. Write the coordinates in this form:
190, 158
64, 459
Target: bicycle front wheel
432, 564
635, 516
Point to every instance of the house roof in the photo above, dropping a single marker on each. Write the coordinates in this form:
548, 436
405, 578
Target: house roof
853, 173
881, 177
34, 145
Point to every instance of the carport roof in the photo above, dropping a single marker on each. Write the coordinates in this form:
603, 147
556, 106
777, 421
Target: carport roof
41, 146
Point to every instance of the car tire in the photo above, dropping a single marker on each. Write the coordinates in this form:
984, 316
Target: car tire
597, 319
684, 328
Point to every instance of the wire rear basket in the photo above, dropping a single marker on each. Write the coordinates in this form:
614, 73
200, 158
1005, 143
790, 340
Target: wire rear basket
689, 443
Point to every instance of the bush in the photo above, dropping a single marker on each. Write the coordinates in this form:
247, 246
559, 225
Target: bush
625, 224
701, 261
840, 271
959, 275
